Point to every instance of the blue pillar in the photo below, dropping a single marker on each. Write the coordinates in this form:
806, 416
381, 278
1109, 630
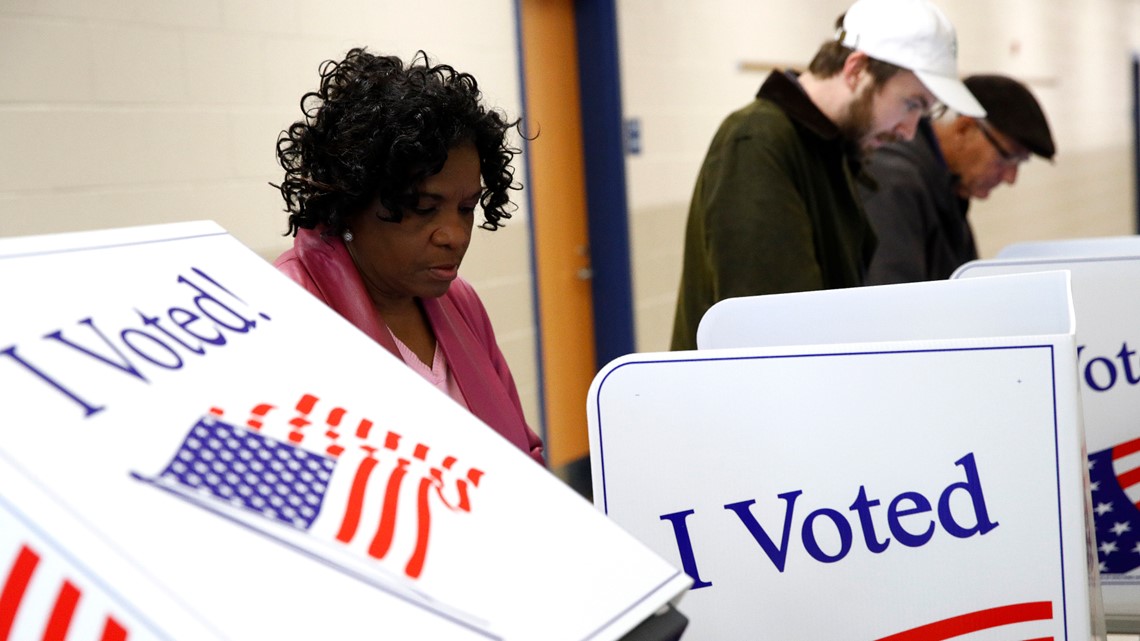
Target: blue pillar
603, 149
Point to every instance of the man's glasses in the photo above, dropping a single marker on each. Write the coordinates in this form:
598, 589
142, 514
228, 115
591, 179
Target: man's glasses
935, 111
1006, 155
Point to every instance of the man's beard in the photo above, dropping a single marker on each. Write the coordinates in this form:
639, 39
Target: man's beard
856, 127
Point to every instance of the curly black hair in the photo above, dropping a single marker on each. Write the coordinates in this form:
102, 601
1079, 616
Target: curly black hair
376, 128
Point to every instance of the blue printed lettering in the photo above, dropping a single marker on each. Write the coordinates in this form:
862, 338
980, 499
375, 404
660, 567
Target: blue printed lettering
88, 408
122, 364
919, 505
1101, 373
1109, 370
127, 336
776, 554
827, 535
244, 324
1125, 356
841, 526
862, 506
152, 321
155, 343
972, 486
685, 547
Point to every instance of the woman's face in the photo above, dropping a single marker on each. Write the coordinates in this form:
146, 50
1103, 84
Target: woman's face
419, 256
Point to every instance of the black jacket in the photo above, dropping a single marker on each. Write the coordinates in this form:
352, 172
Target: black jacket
918, 217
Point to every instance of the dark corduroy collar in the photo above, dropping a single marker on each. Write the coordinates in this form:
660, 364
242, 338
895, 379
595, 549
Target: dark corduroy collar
785, 91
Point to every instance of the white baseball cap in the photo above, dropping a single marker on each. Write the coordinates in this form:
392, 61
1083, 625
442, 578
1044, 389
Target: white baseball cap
914, 35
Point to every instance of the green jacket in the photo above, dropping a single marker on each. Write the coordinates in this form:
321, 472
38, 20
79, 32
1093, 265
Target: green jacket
775, 208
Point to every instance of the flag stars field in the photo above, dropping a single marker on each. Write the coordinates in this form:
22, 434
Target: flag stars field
1114, 479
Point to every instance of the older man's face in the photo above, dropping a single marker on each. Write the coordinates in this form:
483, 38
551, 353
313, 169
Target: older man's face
989, 159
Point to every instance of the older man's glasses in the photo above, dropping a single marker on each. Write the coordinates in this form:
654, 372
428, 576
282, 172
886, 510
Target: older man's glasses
1007, 156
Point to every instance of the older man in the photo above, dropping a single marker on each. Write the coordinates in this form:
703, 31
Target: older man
919, 206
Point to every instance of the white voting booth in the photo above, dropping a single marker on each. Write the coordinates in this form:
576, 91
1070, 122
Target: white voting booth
886, 463
193, 447
1073, 247
1105, 276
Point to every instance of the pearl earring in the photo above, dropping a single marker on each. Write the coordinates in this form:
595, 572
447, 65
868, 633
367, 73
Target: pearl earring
347, 235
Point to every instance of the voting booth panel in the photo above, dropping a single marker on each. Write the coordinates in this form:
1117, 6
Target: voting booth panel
251, 451
1073, 247
60, 578
978, 309
47, 589
833, 488
1108, 374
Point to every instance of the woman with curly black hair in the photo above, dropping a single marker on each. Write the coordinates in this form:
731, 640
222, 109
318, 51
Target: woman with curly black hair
383, 177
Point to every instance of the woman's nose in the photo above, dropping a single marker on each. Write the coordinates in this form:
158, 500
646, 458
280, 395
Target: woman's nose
454, 230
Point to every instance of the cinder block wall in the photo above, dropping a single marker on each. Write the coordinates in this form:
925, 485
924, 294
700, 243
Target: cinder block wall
129, 112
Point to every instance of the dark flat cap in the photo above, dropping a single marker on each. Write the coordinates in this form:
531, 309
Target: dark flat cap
1013, 110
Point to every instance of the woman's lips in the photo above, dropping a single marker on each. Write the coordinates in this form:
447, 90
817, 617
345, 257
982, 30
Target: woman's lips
445, 272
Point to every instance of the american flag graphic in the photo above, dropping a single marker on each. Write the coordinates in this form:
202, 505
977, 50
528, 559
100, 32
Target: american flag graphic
23, 614
1014, 621
1114, 474
47, 595
307, 475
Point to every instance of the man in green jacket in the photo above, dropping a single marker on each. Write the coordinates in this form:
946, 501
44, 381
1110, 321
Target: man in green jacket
775, 208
